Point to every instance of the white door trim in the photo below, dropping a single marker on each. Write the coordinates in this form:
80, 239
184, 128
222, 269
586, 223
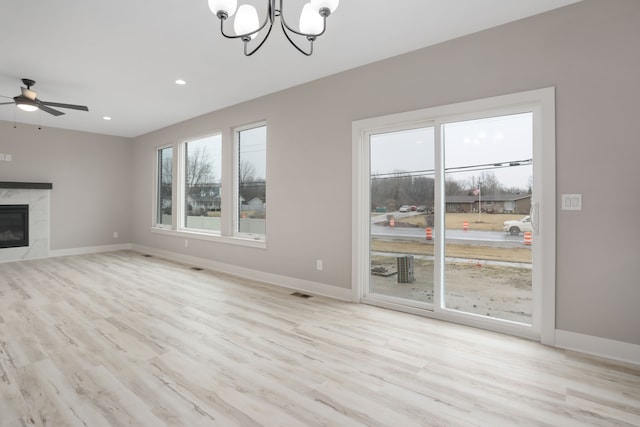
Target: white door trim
542, 103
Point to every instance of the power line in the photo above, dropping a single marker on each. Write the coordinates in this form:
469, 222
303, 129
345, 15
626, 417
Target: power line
468, 168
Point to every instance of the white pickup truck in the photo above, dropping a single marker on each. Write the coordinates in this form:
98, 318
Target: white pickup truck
517, 226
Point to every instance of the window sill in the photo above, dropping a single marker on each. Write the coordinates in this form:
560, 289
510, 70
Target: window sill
248, 241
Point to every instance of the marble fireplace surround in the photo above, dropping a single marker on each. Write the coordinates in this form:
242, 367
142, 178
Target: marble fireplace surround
36, 195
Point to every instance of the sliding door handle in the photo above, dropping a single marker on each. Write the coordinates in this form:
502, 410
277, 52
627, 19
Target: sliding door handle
534, 215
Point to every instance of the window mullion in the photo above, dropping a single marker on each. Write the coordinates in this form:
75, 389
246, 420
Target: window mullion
439, 204
179, 178
228, 183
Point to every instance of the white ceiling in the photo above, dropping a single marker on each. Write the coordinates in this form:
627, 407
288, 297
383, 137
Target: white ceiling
121, 57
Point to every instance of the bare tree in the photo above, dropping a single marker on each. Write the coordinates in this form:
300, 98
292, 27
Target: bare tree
247, 173
199, 168
249, 185
401, 188
166, 182
490, 184
454, 188
487, 182
419, 190
200, 184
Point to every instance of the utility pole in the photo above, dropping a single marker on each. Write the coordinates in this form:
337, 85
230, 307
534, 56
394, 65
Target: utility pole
479, 201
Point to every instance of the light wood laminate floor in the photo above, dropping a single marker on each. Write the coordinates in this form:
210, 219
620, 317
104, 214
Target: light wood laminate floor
119, 339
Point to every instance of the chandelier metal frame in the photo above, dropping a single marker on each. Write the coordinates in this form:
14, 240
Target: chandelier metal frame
275, 10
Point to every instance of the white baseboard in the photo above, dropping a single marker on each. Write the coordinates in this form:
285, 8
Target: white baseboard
305, 286
601, 347
89, 250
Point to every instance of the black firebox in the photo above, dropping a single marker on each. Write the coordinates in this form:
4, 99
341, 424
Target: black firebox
14, 226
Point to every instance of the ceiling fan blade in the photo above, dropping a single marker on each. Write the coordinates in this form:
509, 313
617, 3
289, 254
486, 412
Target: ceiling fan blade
6, 103
59, 105
49, 110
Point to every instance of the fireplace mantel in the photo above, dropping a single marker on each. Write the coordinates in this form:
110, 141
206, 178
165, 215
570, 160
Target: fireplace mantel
27, 185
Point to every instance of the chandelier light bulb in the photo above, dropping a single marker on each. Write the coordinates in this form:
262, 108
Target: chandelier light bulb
247, 20
310, 20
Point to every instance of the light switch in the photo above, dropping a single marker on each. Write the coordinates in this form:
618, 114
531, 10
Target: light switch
1, 157
572, 202
8, 157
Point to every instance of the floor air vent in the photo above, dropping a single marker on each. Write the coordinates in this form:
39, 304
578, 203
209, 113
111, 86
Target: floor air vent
301, 295
196, 268
147, 256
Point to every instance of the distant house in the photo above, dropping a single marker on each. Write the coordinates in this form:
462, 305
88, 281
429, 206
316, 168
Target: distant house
502, 203
204, 198
255, 204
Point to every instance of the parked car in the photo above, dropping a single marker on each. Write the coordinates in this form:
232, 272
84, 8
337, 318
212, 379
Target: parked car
517, 226
404, 208
422, 208
413, 208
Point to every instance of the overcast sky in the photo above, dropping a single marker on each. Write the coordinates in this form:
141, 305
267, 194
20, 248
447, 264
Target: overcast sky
253, 143
486, 141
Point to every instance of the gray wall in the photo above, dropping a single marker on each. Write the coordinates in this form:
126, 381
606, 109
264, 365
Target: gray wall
91, 176
588, 51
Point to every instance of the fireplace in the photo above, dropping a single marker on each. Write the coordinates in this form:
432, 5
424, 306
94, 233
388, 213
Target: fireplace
14, 226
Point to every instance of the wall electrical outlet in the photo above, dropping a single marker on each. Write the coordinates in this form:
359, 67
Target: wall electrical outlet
186, 243
115, 234
8, 157
319, 265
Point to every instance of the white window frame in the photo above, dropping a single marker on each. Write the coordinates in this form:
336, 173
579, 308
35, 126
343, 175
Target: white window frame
229, 179
542, 103
156, 187
236, 181
181, 180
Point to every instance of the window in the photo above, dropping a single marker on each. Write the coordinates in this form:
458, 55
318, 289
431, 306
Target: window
164, 184
202, 183
202, 168
251, 197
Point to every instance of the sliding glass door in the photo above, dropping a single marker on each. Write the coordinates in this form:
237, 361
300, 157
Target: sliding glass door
488, 177
402, 214
447, 214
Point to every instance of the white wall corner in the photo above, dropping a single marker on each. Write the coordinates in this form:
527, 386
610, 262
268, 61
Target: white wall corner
596, 346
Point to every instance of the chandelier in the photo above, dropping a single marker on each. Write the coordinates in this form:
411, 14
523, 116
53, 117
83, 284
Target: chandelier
313, 22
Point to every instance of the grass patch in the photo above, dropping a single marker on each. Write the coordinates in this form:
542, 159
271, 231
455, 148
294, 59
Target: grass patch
454, 251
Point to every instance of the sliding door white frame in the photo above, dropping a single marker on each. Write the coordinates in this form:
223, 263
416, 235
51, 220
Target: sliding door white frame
542, 104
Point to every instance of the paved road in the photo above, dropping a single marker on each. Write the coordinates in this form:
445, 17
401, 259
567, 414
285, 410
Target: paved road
473, 237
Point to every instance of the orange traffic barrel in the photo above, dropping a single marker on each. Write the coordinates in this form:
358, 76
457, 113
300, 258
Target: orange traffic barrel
429, 233
465, 226
528, 238
392, 222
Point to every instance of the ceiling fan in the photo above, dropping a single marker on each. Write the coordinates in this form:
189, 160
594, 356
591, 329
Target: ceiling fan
28, 101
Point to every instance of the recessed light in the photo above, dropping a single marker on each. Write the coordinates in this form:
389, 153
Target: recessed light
181, 82
107, 118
